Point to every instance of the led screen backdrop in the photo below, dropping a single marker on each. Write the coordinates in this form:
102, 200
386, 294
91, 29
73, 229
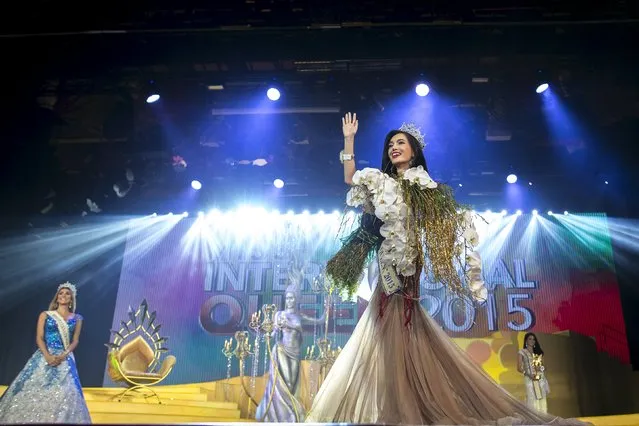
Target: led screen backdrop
205, 276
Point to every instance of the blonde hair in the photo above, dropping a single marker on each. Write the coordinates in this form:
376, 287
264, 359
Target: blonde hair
54, 302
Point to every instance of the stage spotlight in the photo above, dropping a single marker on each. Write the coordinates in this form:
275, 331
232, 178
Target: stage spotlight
542, 88
518, 213
422, 89
273, 94
511, 178
606, 182
550, 213
535, 212
196, 184
278, 183
170, 213
565, 212
152, 98
461, 185
530, 184
185, 214
200, 214
504, 212
154, 215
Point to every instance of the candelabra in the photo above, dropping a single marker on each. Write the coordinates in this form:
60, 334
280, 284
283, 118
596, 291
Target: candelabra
323, 283
261, 327
242, 348
227, 350
261, 322
241, 351
267, 324
321, 350
324, 354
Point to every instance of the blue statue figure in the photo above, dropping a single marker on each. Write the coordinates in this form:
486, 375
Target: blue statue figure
280, 403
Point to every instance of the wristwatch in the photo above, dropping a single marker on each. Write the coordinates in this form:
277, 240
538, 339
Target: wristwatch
345, 157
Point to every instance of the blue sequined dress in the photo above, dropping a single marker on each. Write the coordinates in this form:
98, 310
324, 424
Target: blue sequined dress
46, 394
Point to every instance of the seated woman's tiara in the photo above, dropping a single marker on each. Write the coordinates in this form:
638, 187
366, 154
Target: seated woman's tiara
414, 131
69, 286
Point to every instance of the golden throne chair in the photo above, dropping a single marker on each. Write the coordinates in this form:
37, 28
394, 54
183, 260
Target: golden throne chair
135, 353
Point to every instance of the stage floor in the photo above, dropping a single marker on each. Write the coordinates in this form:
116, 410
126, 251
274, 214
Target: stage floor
196, 404
620, 420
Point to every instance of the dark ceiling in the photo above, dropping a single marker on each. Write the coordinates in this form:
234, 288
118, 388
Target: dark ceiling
49, 16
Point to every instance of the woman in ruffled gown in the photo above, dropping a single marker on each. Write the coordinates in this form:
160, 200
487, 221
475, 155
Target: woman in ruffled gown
48, 389
399, 366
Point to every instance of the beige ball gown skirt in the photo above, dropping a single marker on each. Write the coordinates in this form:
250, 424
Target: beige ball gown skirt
400, 367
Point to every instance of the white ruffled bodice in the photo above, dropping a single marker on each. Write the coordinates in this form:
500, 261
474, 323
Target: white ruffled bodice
382, 194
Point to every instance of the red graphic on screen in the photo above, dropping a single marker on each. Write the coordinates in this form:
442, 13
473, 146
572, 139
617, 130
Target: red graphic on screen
594, 309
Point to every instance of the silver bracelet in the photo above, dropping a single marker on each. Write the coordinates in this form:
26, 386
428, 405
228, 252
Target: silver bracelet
345, 157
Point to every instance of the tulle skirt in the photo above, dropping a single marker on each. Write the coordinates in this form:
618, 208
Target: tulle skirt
45, 394
399, 373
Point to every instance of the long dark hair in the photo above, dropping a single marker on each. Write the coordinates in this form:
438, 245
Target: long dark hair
537, 348
418, 159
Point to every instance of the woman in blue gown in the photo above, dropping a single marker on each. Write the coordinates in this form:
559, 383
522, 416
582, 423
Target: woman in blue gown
48, 389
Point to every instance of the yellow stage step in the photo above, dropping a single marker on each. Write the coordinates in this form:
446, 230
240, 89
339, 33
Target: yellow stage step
126, 418
201, 399
220, 406
136, 397
209, 410
158, 389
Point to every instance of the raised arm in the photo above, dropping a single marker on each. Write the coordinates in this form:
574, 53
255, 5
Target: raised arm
347, 156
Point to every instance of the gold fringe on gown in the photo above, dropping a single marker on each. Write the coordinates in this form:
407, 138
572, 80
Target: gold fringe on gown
391, 372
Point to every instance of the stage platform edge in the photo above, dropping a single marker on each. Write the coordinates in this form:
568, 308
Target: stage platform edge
199, 404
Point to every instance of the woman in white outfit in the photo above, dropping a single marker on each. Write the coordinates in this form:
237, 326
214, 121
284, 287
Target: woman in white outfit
531, 365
